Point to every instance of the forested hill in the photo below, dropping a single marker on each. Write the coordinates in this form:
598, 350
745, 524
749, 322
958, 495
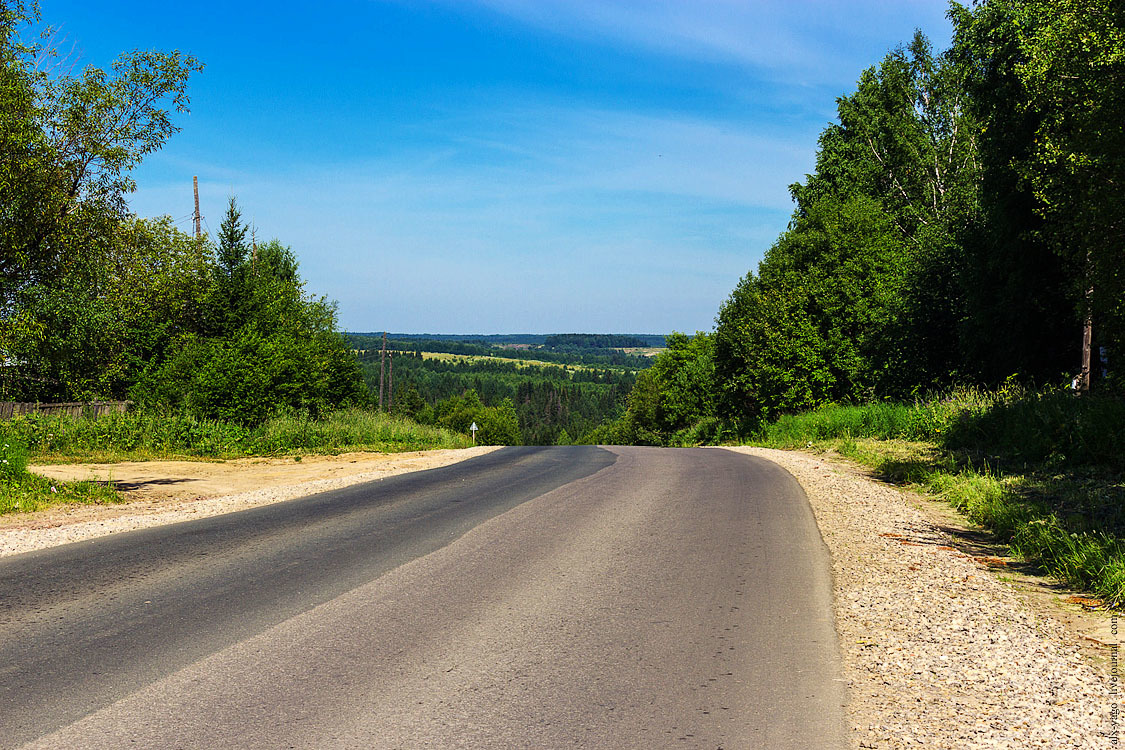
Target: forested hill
964, 225
513, 347
532, 394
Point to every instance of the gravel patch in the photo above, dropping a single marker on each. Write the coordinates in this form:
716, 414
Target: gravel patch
937, 651
275, 479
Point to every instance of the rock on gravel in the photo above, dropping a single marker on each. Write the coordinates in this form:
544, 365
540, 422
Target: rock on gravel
937, 651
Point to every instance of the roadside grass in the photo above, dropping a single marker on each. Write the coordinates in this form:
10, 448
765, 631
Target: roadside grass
1044, 471
140, 436
24, 492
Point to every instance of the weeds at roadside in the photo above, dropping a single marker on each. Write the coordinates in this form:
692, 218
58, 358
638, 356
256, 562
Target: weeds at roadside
1043, 471
147, 436
143, 436
24, 492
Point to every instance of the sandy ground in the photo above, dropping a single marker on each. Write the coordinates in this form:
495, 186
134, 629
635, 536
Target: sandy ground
157, 492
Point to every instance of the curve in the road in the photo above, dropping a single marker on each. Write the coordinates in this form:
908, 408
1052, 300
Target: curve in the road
541, 598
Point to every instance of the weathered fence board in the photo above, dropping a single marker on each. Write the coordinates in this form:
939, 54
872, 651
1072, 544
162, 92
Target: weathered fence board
77, 409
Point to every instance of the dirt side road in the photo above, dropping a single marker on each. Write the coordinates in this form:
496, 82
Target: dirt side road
159, 492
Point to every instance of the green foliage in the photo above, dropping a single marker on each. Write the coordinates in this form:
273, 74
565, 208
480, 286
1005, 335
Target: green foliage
479, 346
672, 398
66, 148
770, 358
497, 425
1042, 469
963, 218
246, 377
231, 252
23, 492
1047, 84
149, 435
685, 371
90, 334
32, 492
1053, 429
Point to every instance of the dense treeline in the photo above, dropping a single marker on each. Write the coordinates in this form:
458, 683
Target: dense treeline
96, 303
522, 339
597, 341
546, 405
963, 222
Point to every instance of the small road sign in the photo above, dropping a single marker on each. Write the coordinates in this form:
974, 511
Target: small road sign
473, 428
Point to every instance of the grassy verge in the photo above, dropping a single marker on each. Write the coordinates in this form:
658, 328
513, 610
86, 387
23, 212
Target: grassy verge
24, 492
140, 436
1043, 471
146, 436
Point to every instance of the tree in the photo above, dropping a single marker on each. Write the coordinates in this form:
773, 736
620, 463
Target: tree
769, 357
684, 374
67, 145
231, 251
1047, 81
92, 332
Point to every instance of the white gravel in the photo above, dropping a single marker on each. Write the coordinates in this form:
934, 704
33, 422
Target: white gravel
937, 651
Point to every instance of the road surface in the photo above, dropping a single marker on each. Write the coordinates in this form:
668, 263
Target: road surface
532, 597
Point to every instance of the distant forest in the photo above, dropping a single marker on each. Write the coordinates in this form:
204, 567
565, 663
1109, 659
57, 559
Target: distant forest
554, 340
551, 404
510, 348
599, 341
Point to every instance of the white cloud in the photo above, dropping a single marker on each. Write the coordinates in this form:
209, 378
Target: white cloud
793, 39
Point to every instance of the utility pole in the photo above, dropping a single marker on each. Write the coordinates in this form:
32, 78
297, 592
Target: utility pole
198, 220
382, 369
390, 381
1087, 330
1087, 342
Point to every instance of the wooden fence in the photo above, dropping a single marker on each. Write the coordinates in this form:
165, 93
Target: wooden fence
77, 409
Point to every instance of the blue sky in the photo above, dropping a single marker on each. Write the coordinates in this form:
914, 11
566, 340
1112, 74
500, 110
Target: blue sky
504, 166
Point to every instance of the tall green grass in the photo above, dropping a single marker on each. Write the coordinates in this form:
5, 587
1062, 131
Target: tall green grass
147, 435
23, 492
1043, 470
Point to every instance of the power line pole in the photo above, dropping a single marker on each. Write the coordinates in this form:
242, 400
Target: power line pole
382, 369
390, 382
198, 219
1087, 330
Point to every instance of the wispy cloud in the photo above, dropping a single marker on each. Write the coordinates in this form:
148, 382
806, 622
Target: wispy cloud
795, 39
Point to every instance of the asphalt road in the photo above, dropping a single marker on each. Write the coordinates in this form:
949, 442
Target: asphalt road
532, 597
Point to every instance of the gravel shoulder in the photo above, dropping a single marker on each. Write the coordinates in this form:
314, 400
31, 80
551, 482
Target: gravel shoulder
944, 643
161, 492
